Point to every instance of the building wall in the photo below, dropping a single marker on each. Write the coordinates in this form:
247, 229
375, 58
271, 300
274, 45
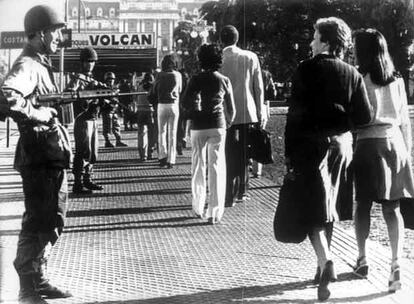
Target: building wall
157, 16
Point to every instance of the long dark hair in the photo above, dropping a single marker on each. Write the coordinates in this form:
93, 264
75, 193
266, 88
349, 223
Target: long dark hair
371, 51
168, 63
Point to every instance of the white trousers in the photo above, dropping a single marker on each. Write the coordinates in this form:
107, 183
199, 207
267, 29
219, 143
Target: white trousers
208, 146
167, 131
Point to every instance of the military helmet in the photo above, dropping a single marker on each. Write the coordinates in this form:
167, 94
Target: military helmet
40, 18
88, 54
109, 75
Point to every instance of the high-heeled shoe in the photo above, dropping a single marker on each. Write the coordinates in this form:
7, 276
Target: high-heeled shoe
317, 276
328, 275
361, 267
394, 282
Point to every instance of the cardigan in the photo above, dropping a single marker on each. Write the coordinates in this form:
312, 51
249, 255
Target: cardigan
329, 98
206, 93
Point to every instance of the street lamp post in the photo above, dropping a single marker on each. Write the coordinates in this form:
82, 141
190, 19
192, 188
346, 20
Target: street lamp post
201, 29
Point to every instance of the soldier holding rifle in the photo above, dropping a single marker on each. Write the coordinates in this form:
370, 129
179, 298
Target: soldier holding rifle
85, 126
42, 153
109, 114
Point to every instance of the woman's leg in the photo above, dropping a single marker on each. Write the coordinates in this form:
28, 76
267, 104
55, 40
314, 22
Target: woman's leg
216, 173
362, 225
162, 131
319, 241
142, 141
198, 170
172, 134
395, 226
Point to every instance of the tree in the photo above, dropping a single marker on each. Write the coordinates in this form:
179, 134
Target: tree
280, 31
3, 68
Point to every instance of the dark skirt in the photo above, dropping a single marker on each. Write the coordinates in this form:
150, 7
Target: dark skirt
382, 170
330, 183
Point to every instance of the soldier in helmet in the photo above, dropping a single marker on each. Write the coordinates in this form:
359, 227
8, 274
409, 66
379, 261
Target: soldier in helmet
110, 116
85, 127
40, 158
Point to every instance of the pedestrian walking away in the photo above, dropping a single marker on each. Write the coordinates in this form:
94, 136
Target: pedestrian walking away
146, 122
42, 153
109, 111
328, 98
208, 102
382, 157
242, 67
85, 128
165, 93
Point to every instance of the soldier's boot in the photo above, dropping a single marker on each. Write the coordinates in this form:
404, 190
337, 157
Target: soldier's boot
89, 184
79, 188
119, 143
108, 143
43, 286
142, 156
27, 292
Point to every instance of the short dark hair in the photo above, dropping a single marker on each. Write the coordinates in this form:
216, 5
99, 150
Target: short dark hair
210, 57
335, 32
229, 35
168, 63
371, 51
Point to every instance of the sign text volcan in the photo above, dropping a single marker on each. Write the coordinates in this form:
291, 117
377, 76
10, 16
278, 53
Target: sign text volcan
113, 40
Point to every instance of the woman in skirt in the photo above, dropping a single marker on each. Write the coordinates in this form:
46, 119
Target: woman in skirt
328, 99
382, 156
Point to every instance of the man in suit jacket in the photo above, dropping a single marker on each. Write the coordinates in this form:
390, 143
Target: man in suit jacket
243, 69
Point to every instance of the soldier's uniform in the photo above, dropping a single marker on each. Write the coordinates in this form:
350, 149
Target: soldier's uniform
42, 154
85, 131
109, 113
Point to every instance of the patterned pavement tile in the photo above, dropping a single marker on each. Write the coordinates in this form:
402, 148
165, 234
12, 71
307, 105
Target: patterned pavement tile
137, 241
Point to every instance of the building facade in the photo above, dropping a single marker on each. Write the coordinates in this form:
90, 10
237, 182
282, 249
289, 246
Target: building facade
159, 17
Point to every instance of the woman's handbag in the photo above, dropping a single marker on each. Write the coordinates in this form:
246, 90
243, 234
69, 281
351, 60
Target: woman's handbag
407, 212
289, 224
259, 146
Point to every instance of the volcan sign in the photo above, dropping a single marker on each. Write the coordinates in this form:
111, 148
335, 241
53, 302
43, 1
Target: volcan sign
113, 40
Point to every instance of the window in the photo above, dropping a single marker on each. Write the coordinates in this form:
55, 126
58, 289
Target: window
99, 26
111, 12
99, 12
87, 11
148, 26
74, 12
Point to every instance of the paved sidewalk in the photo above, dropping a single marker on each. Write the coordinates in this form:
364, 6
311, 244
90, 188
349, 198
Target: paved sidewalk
138, 242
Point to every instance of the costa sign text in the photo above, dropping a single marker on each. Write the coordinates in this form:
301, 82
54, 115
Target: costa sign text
113, 40
13, 40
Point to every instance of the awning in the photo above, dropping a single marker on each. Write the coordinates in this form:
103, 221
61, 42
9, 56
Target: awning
119, 61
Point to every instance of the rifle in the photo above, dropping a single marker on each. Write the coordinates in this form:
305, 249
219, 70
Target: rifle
56, 99
62, 101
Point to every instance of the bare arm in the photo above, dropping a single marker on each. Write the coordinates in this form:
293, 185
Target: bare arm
229, 105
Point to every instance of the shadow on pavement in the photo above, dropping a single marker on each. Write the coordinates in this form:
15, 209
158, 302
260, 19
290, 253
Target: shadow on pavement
141, 180
11, 197
164, 220
144, 178
133, 193
249, 295
118, 211
122, 227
